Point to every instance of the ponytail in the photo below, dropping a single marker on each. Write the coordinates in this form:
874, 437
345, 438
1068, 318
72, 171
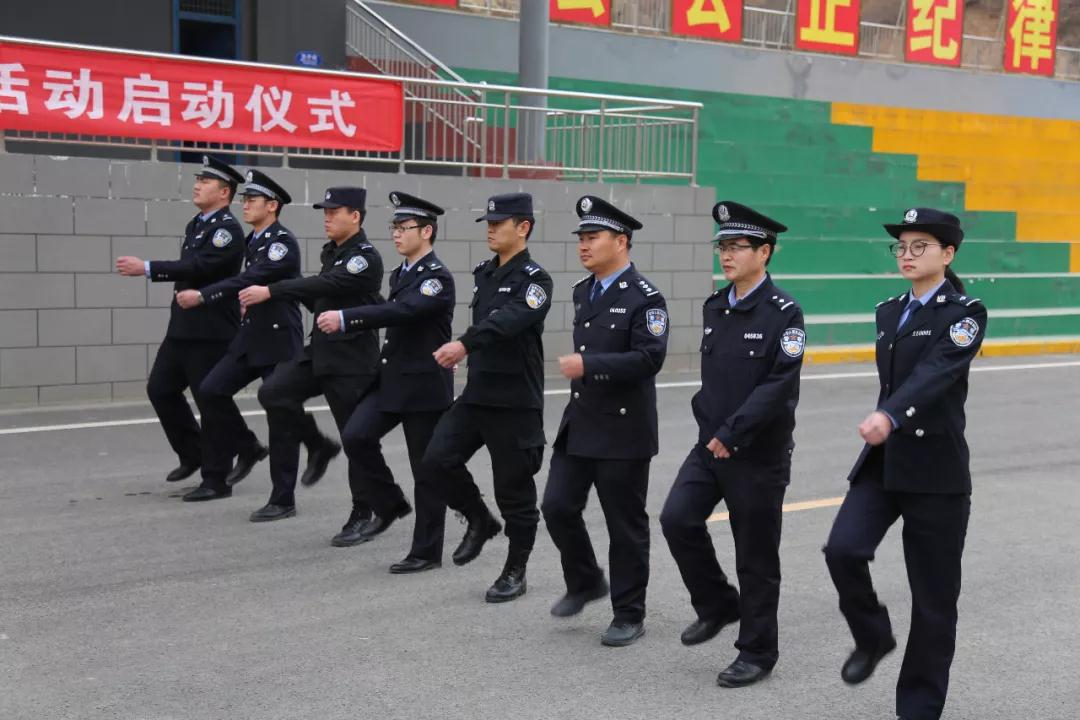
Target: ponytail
953, 279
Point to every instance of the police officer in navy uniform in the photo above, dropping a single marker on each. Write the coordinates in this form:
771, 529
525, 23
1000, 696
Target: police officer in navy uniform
503, 401
213, 250
412, 390
608, 432
751, 358
340, 366
269, 333
914, 466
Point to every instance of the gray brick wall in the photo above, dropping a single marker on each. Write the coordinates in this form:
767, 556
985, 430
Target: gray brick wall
72, 331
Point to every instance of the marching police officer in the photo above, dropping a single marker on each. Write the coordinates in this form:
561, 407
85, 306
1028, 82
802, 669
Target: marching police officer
503, 401
412, 389
608, 432
269, 333
914, 465
751, 357
213, 250
340, 366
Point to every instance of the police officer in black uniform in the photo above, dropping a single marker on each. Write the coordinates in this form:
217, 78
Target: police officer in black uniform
269, 333
914, 465
751, 357
608, 432
340, 366
503, 401
412, 390
213, 250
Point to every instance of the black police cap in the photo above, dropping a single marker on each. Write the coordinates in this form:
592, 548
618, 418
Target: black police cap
598, 214
406, 206
259, 183
214, 168
501, 207
351, 197
737, 220
942, 225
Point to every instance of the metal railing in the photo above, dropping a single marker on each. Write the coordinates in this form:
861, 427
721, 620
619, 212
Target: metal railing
767, 28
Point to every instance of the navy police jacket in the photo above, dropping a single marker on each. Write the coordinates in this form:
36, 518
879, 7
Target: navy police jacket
211, 251
351, 274
273, 331
506, 352
622, 338
751, 358
923, 371
417, 316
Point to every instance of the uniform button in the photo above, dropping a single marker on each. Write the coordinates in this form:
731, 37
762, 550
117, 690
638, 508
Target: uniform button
622, 411
919, 432
582, 348
384, 361
751, 352
577, 395
612, 326
910, 411
586, 324
275, 326
727, 312
736, 448
890, 346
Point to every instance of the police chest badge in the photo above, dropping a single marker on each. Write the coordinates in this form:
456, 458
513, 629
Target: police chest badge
356, 265
277, 251
792, 342
222, 238
656, 321
431, 287
535, 296
964, 332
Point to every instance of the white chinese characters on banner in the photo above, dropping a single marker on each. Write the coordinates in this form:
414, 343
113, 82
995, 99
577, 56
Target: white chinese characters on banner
145, 100
74, 96
324, 108
276, 103
11, 97
207, 106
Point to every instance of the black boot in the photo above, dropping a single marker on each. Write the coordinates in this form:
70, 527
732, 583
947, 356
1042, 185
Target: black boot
510, 584
482, 527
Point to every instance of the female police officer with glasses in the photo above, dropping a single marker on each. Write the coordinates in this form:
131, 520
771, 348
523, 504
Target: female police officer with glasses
914, 465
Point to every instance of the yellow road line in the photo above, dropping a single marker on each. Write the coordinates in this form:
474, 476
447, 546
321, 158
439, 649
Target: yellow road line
991, 348
792, 507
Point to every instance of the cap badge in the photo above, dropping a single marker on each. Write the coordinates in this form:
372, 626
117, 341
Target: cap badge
586, 204
395, 199
491, 206
911, 216
722, 214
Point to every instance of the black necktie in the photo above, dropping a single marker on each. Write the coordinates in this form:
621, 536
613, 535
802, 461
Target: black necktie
912, 308
597, 291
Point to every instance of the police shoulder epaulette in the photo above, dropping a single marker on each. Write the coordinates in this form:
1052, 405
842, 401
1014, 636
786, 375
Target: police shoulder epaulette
480, 265
226, 216
575, 284
885, 302
432, 265
365, 246
530, 268
782, 302
646, 288
964, 300
282, 232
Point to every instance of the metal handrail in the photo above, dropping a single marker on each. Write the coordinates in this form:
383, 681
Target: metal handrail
410, 46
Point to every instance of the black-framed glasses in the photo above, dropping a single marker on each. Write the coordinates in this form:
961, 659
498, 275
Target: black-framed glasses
395, 229
732, 248
916, 248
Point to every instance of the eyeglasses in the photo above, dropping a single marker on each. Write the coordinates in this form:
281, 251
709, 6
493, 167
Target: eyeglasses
395, 229
916, 248
731, 248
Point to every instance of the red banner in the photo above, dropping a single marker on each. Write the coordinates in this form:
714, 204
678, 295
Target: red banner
95, 92
935, 31
589, 12
830, 26
1031, 36
712, 19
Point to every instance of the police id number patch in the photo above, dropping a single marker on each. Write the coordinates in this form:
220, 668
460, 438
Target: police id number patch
222, 238
277, 251
535, 297
656, 321
356, 265
793, 342
431, 287
964, 332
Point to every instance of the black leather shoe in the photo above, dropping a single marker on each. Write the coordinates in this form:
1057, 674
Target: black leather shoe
244, 464
201, 494
621, 634
740, 674
318, 460
379, 524
269, 512
861, 663
181, 472
413, 565
481, 529
511, 584
572, 603
705, 629
352, 532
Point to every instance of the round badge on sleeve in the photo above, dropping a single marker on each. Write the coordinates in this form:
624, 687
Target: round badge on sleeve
277, 251
356, 265
656, 321
964, 332
222, 238
793, 342
535, 297
431, 287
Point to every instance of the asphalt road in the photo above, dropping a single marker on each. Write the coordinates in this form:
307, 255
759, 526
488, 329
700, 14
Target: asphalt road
119, 601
